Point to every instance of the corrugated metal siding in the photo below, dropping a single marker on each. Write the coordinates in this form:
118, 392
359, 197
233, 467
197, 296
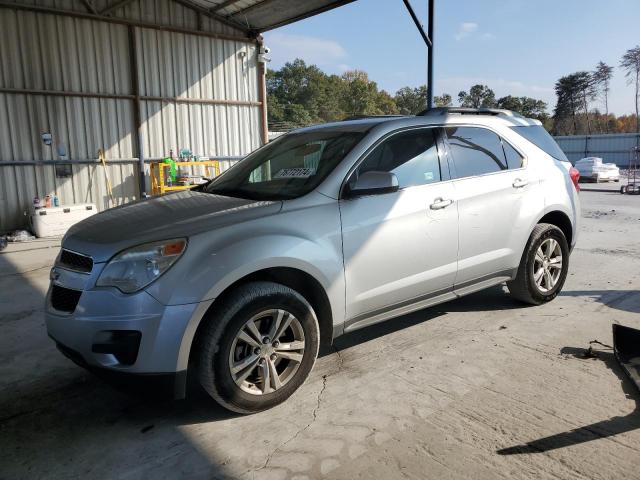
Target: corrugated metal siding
159, 12
184, 66
612, 148
53, 52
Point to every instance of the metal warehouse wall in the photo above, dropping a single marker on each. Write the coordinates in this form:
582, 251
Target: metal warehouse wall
612, 148
194, 92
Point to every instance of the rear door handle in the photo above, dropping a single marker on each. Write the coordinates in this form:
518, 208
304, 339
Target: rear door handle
439, 203
519, 183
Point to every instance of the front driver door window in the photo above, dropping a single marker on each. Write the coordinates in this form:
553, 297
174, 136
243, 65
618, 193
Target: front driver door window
397, 248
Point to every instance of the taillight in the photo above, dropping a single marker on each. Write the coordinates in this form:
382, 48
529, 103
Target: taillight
575, 177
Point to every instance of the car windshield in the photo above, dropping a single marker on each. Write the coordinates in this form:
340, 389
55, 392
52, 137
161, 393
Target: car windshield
288, 167
537, 135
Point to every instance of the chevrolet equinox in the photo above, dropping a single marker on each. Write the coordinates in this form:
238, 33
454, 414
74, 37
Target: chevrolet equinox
322, 231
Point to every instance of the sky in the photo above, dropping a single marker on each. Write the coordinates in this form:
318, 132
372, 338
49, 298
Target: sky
516, 47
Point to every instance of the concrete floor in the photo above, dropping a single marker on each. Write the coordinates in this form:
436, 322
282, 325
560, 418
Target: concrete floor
479, 388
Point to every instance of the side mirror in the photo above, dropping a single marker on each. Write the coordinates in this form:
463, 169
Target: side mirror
374, 183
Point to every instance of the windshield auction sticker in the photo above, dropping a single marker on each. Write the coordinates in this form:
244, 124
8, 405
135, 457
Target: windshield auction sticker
295, 173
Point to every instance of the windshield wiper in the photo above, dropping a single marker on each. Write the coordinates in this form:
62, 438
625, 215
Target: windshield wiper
250, 194
229, 192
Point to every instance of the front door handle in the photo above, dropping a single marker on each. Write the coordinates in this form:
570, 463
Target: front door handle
440, 203
519, 183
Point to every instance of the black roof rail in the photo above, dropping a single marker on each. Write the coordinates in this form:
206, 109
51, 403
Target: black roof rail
468, 111
363, 117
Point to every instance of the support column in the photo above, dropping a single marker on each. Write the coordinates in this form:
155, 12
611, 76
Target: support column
262, 91
430, 57
137, 117
428, 40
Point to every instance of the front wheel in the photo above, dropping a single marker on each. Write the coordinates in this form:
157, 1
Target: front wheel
258, 347
543, 267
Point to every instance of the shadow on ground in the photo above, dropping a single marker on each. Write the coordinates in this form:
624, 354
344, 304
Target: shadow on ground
51, 409
626, 300
595, 431
492, 299
59, 421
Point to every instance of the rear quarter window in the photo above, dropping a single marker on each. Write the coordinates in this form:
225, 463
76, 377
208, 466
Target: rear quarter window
514, 159
537, 135
475, 151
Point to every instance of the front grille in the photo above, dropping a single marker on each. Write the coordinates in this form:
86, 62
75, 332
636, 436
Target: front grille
75, 261
64, 299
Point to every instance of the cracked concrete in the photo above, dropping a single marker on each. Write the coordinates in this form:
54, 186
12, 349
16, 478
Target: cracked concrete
314, 415
480, 388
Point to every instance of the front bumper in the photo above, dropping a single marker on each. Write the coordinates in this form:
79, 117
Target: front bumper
156, 338
164, 385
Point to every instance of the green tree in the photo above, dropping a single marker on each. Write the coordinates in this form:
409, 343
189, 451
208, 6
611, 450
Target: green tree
574, 92
587, 89
602, 78
328, 104
566, 105
479, 96
386, 104
630, 63
411, 101
362, 97
443, 100
526, 106
299, 94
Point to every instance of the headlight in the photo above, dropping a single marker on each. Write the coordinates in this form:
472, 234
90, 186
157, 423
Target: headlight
133, 269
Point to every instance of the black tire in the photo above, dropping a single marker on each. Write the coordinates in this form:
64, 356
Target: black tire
523, 287
216, 339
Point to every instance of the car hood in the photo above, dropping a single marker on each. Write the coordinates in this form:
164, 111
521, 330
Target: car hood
175, 215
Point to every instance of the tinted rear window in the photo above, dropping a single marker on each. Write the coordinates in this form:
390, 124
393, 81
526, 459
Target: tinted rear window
475, 150
537, 135
514, 160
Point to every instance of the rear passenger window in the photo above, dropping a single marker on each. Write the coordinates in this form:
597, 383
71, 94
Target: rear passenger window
475, 151
514, 159
412, 156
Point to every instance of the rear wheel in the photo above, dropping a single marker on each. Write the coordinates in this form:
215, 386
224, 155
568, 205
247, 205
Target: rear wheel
543, 267
258, 347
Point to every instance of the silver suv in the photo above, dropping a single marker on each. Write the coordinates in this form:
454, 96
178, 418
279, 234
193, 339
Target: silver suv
323, 231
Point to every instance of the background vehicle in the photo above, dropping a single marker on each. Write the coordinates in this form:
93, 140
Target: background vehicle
323, 231
593, 169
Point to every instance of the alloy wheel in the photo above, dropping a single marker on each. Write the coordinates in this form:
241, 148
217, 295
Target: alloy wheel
267, 352
547, 265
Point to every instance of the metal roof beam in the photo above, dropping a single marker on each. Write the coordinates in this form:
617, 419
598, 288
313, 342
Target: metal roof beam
428, 40
415, 19
251, 8
90, 7
208, 13
115, 5
297, 18
123, 21
223, 5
